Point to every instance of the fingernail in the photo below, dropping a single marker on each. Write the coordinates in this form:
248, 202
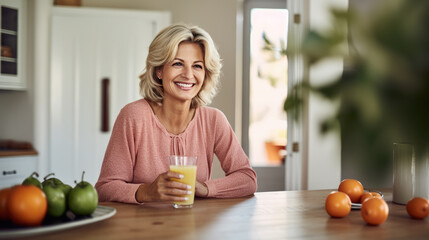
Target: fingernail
189, 192
189, 186
181, 176
186, 199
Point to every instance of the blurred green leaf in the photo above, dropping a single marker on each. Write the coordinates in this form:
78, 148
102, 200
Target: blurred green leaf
384, 90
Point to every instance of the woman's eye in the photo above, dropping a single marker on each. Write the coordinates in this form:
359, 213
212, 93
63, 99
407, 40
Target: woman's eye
198, 66
177, 64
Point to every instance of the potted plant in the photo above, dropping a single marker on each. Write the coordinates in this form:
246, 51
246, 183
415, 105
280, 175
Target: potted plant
384, 89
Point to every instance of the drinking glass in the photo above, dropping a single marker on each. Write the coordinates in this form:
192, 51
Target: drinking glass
187, 166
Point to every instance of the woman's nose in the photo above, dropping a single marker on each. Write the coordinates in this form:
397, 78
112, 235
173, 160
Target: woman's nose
187, 72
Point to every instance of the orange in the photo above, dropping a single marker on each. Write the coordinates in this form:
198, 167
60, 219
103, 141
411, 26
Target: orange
338, 204
353, 188
4, 196
27, 205
374, 211
367, 195
418, 207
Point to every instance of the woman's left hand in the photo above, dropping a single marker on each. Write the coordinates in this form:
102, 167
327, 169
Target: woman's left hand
201, 189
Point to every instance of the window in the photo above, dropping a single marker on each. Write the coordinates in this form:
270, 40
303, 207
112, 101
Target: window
265, 84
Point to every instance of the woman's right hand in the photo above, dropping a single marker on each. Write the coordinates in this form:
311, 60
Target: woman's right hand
163, 189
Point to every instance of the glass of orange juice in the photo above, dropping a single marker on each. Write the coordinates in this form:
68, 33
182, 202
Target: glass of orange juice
187, 166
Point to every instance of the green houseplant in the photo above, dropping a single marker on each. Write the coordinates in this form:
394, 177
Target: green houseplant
384, 90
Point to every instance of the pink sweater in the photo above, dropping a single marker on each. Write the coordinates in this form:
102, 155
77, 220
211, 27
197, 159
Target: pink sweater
140, 145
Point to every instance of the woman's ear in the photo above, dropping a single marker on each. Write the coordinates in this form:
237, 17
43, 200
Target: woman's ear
159, 73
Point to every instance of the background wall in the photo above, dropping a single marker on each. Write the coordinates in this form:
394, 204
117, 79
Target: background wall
16, 110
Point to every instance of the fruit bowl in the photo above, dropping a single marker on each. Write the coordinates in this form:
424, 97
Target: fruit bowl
8, 230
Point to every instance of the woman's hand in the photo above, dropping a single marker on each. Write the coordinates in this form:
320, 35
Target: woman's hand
163, 189
201, 189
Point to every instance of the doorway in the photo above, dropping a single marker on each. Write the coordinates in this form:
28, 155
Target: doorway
264, 132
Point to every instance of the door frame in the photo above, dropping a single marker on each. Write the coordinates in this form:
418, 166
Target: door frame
296, 170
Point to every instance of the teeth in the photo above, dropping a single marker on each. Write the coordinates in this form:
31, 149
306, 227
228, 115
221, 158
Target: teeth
186, 85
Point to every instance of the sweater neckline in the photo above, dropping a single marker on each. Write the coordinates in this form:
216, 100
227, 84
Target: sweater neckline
162, 127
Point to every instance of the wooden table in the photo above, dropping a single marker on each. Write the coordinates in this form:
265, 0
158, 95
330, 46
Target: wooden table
269, 215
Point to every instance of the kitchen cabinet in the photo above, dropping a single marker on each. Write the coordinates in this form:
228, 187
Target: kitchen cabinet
96, 58
13, 44
14, 169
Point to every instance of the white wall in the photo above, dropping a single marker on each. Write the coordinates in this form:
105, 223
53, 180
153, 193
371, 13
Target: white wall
41, 46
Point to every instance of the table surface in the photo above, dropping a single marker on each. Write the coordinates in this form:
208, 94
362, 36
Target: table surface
267, 215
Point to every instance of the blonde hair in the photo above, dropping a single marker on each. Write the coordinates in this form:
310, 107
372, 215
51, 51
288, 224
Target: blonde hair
163, 49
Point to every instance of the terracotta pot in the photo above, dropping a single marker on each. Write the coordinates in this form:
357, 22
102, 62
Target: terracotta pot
274, 152
6, 51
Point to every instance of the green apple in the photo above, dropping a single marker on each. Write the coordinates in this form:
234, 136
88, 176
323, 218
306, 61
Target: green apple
83, 198
53, 180
57, 204
66, 189
31, 180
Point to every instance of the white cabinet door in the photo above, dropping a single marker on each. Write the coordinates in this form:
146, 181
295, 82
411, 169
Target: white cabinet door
89, 45
13, 41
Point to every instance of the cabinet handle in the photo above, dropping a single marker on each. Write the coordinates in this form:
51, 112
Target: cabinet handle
9, 172
105, 105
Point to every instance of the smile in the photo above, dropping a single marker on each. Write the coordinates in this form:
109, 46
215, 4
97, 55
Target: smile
184, 85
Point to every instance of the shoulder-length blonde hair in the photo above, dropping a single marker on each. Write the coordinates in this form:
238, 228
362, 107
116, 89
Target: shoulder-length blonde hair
163, 49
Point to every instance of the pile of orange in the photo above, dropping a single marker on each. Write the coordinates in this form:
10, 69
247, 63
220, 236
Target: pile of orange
374, 209
24, 205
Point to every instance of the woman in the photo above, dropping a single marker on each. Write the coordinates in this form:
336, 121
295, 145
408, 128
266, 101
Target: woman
181, 76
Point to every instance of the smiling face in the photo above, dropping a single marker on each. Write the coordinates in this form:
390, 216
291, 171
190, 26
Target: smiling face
183, 77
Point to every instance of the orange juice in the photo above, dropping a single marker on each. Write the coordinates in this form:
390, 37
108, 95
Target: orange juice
190, 174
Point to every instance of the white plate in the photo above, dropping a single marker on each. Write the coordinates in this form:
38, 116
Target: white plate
359, 205
100, 213
356, 206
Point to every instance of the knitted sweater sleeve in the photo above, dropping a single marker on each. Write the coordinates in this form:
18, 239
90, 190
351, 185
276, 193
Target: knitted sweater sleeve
116, 175
240, 178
